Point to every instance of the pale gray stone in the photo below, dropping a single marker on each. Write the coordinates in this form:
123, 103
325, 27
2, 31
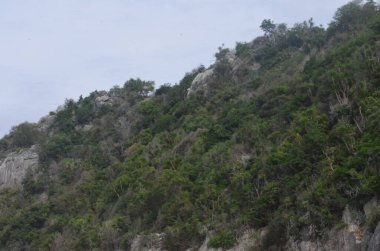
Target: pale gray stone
46, 122
374, 244
200, 82
152, 242
102, 100
371, 206
15, 166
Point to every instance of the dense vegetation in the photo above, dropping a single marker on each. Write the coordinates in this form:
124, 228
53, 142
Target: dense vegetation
284, 145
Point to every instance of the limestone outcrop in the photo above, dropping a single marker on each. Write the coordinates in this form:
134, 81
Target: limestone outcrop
200, 82
374, 243
103, 99
15, 166
351, 236
152, 242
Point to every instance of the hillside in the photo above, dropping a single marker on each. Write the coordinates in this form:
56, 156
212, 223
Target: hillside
276, 146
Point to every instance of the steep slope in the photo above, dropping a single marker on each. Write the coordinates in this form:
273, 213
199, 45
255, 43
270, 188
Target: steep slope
276, 146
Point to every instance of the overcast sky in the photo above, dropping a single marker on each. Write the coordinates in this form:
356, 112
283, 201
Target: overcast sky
56, 49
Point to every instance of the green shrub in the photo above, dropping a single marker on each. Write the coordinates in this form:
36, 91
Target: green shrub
224, 239
23, 135
373, 220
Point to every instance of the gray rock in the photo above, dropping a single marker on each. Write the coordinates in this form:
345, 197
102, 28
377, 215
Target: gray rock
60, 108
104, 99
233, 60
200, 81
347, 215
256, 66
350, 238
352, 216
204, 244
84, 128
152, 242
336, 240
236, 63
244, 243
87, 128
43, 197
46, 122
371, 206
15, 166
374, 243
308, 245
245, 158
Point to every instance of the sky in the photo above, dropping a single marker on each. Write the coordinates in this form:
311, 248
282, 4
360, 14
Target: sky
51, 50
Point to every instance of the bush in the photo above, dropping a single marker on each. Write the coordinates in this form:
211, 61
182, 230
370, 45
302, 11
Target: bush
182, 236
23, 135
224, 239
55, 147
85, 112
31, 184
242, 49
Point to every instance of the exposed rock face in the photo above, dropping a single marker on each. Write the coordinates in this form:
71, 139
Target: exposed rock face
103, 99
343, 240
353, 236
244, 243
200, 81
14, 167
46, 122
350, 238
204, 246
203, 79
152, 242
374, 243
233, 60
60, 108
84, 128
371, 206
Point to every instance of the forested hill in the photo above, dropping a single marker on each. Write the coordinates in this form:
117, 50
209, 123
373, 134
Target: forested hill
276, 146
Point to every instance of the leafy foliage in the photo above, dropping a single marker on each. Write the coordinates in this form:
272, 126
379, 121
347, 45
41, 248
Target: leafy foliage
285, 136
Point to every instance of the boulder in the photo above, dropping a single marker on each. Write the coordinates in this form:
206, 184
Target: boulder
200, 82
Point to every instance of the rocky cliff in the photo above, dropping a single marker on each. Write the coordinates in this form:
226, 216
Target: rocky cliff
15, 165
352, 234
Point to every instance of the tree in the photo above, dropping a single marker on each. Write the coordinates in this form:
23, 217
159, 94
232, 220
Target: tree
352, 16
137, 89
268, 26
23, 135
138, 86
